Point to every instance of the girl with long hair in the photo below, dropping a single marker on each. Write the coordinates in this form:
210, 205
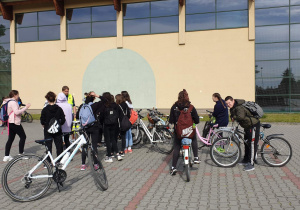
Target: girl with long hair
128, 135
220, 110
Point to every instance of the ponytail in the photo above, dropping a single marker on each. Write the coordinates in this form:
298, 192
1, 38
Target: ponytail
217, 95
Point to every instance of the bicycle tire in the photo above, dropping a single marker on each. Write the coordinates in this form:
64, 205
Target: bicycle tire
230, 147
142, 139
270, 151
29, 118
17, 168
136, 137
165, 141
23, 117
187, 171
98, 174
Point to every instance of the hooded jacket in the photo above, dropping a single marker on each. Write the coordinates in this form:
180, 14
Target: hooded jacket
14, 111
49, 112
241, 114
62, 102
221, 113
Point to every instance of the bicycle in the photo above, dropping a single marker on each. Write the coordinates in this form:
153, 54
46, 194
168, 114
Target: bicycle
26, 117
159, 136
187, 157
75, 132
28, 177
275, 150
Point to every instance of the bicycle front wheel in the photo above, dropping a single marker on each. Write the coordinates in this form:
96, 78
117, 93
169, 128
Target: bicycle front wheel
225, 152
29, 118
136, 135
19, 186
276, 152
97, 170
164, 140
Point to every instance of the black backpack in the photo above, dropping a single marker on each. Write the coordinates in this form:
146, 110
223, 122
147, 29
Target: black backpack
125, 124
110, 116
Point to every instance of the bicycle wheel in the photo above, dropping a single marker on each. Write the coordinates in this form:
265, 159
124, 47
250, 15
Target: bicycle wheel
29, 118
164, 140
136, 135
187, 171
276, 152
141, 139
97, 170
225, 152
23, 118
16, 183
221, 134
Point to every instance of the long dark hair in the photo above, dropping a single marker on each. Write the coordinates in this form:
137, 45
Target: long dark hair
183, 98
108, 98
217, 95
126, 96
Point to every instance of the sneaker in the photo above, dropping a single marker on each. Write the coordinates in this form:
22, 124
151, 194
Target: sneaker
7, 158
243, 162
197, 160
108, 160
130, 151
119, 157
125, 151
249, 167
96, 167
173, 171
83, 167
122, 154
255, 161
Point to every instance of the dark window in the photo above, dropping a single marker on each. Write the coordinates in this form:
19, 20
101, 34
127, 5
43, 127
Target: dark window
295, 50
271, 3
295, 68
272, 16
91, 22
294, 2
216, 14
272, 34
295, 14
151, 17
270, 68
272, 51
295, 32
37, 26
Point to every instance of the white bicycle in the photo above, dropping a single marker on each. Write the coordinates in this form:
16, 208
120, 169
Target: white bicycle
159, 135
28, 177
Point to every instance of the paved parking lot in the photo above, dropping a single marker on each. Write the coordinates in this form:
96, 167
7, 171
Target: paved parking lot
142, 181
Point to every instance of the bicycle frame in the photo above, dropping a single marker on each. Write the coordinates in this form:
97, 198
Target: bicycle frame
207, 140
148, 133
80, 141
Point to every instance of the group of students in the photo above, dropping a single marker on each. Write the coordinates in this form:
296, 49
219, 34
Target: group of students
238, 113
109, 112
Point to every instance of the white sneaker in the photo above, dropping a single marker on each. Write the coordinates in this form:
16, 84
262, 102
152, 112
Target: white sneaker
7, 158
108, 160
119, 157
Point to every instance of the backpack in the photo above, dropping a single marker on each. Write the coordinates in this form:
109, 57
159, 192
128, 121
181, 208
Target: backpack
125, 124
110, 116
86, 115
3, 112
133, 116
184, 126
254, 109
54, 126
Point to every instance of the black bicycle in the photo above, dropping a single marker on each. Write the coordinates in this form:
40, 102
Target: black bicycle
26, 117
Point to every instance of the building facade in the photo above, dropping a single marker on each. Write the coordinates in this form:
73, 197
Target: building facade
152, 49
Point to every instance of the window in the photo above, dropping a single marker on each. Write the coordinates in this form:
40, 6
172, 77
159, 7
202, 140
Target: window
91, 22
151, 17
216, 14
277, 44
37, 26
5, 58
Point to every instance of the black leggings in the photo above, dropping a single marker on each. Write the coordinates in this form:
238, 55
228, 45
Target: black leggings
177, 146
252, 136
13, 130
110, 138
67, 140
57, 138
93, 133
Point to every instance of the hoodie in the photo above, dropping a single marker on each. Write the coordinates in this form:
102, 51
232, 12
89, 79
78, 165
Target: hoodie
62, 102
49, 112
14, 111
241, 114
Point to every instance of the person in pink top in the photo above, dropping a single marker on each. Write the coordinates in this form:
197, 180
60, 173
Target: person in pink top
15, 126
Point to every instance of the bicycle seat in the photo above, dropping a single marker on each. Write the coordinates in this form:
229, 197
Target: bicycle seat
42, 142
266, 125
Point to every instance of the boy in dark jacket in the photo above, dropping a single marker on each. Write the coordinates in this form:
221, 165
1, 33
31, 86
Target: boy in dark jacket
251, 126
49, 112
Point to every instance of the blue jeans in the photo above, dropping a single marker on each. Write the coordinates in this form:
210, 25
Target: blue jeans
128, 137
